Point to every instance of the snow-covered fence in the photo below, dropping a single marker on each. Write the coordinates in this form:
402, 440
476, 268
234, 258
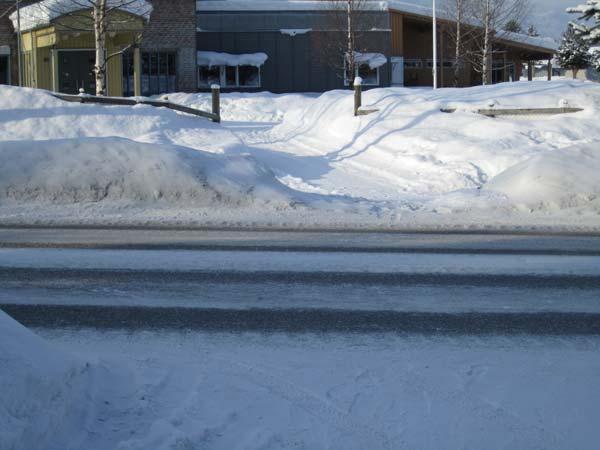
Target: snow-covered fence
497, 112
214, 115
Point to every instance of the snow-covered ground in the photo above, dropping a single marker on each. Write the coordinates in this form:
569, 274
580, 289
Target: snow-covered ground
169, 391
304, 161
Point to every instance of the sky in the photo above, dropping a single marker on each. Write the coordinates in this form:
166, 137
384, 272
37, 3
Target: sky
548, 16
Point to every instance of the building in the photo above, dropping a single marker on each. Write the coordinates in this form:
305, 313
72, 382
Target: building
274, 45
58, 48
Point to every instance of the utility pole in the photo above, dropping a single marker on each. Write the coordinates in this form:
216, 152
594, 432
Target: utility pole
19, 43
435, 52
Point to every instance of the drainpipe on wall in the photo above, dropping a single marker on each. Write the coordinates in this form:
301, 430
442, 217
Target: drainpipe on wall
435, 55
19, 65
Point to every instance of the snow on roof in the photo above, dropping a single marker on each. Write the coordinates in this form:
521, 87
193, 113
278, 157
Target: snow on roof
374, 60
277, 5
44, 12
535, 41
376, 5
226, 59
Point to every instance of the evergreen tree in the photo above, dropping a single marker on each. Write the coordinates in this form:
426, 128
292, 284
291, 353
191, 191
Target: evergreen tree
588, 11
513, 26
574, 51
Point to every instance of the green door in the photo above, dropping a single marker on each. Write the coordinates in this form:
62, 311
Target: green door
76, 71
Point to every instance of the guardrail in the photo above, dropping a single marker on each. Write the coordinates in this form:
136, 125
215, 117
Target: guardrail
215, 115
494, 112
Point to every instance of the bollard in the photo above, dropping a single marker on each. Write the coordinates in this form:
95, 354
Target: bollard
216, 102
357, 94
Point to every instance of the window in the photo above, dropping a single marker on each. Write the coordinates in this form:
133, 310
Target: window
369, 75
413, 64
4, 69
244, 76
159, 73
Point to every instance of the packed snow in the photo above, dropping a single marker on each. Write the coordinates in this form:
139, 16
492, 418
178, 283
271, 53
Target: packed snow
304, 161
168, 391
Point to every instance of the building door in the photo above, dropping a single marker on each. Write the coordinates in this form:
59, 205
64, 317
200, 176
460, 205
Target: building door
397, 71
76, 71
4, 69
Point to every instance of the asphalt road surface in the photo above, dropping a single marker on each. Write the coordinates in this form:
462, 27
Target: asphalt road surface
301, 282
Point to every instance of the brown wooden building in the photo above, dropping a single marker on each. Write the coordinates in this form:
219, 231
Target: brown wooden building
412, 53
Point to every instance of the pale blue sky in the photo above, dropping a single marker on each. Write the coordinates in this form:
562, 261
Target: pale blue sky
548, 16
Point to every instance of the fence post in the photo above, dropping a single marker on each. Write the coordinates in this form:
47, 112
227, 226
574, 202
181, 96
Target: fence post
216, 102
357, 95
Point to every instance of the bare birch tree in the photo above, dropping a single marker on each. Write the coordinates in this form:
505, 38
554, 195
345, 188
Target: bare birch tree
458, 31
97, 17
347, 23
490, 18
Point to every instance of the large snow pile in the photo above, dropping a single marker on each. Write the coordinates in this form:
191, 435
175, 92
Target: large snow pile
303, 160
43, 391
117, 169
556, 180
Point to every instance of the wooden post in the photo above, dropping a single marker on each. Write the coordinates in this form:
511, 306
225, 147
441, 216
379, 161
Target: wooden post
216, 101
549, 70
357, 94
530, 70
137, 72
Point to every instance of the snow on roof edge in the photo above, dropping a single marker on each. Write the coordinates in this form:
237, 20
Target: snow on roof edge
44, 12
208, 58
376, 5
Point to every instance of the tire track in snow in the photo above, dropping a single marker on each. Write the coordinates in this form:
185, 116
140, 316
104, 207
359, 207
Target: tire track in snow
314, 404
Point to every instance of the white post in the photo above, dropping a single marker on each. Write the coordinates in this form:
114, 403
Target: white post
19, 43
435, 52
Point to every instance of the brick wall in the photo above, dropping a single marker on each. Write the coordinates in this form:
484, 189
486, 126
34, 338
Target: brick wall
8, 37
173, 27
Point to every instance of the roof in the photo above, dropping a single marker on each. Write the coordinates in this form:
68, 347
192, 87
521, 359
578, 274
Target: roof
43, 13
538, 42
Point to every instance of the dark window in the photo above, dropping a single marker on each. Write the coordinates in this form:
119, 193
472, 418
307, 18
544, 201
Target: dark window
159, 71
4, 69
249, 76
208, 75
229, 76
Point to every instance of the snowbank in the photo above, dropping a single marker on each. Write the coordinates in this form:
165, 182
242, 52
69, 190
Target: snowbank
560, 179
303, 160
44, 391
116, 169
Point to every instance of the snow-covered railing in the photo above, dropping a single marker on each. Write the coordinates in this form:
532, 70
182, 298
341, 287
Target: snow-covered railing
495, 112
214, 115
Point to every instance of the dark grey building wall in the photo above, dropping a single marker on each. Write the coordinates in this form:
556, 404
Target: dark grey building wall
296, 63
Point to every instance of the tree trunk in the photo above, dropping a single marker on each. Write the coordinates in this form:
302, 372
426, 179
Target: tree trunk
575, 71
100, 27
351, 57
486, 45
457, 54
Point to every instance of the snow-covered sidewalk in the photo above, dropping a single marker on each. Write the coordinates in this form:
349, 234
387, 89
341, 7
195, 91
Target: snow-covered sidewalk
303, 161
168, 391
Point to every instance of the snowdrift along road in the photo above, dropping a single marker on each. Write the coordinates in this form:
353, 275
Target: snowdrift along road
303, 161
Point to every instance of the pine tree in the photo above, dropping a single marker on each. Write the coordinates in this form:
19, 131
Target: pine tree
513, 26
574, 51
588, 11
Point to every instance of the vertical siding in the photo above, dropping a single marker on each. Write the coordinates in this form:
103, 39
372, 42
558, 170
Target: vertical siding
44, 68
397, 26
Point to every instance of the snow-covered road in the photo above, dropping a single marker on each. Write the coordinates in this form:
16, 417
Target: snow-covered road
273, 341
